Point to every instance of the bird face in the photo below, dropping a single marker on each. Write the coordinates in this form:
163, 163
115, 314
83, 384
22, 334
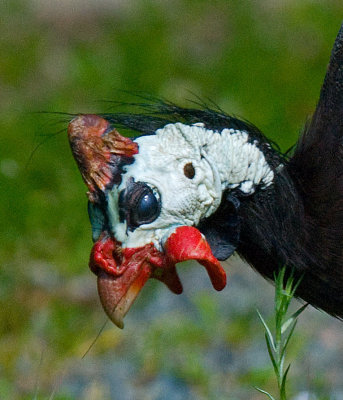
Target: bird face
169, 184
154, 202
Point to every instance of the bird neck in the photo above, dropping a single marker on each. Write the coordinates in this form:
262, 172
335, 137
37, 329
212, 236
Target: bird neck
272, 230
239, 160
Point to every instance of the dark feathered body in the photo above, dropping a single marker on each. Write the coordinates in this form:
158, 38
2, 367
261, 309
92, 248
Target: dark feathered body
301, 222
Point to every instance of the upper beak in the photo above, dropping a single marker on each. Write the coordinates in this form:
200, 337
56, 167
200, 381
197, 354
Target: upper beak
123, 272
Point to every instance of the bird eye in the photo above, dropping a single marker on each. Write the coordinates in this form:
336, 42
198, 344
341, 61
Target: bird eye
189, 171
139, 204
147, 208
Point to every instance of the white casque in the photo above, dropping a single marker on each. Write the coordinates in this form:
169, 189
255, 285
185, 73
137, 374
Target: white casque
221, 160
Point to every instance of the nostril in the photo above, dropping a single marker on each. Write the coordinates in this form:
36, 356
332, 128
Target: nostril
117, 257
107, 255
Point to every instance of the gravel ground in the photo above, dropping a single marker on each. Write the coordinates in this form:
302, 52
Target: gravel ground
120, 373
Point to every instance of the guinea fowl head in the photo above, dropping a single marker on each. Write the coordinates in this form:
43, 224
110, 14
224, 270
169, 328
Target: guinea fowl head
166, 197
200, 184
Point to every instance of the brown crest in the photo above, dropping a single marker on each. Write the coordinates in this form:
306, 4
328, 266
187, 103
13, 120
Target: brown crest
98, 150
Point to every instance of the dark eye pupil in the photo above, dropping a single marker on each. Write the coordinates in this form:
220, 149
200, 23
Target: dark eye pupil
139, 204
147, 207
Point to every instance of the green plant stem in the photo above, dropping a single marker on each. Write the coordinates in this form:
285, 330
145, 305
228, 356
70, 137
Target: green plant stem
284, 329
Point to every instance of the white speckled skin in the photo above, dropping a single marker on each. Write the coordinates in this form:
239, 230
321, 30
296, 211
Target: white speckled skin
221, 160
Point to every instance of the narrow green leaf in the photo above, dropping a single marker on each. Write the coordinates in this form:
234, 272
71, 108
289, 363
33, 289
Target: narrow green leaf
284, 305
279, 287
264, 392
271, 339
290, 320
301, 309
271, 356
296, 285
283, 383
290, 281
288, 339
281, 363
286, 325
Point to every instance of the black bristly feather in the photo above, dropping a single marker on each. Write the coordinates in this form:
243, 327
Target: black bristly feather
222, 228
152, 116
298, 220
317, 170
158, 113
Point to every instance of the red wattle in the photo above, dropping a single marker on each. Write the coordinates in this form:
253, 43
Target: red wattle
130, 265
106, 255
187, 243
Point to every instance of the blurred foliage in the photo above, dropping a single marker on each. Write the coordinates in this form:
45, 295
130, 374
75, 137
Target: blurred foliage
264, 61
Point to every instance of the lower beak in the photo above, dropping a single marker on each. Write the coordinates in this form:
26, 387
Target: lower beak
116, 297
122, 273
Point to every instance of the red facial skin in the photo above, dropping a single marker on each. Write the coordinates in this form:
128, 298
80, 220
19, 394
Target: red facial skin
123, 272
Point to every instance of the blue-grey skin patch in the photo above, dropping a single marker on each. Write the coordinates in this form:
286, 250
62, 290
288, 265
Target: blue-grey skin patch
97, 219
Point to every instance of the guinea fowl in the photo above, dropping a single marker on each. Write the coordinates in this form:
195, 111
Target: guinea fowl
200, 184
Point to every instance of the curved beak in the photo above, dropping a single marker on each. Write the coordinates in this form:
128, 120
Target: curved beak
122, 273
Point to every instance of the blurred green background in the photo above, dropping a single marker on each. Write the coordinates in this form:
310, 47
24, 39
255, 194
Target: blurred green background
264, 61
